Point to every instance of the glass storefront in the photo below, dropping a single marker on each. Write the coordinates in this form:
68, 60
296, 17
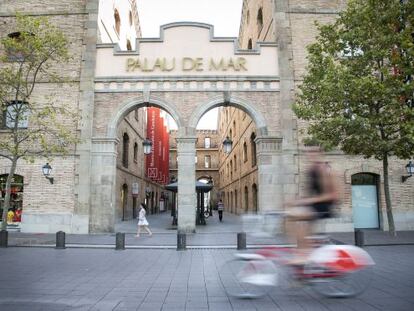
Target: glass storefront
16, 199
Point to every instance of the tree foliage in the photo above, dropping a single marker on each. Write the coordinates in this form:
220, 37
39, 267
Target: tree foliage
358, 91
32, 128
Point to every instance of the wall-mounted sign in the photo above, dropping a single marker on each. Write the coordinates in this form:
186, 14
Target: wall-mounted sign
163, 64
135, 189
186, 49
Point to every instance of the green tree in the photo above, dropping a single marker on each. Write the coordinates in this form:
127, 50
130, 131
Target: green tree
358, 91
30, 55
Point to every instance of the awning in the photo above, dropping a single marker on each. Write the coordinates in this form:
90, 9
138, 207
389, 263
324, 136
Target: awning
200, 187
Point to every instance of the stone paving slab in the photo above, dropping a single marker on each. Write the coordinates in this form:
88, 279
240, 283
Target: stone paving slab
99, 279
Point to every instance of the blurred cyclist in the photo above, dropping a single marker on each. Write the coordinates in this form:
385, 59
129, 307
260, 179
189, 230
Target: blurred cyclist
318, 204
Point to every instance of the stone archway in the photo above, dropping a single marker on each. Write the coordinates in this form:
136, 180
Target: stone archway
187, 65
103, 162
228, 100
271, 174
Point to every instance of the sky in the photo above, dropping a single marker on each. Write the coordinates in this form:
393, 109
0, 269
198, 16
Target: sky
224, 15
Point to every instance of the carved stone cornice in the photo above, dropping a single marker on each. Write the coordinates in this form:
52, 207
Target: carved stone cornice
268, 144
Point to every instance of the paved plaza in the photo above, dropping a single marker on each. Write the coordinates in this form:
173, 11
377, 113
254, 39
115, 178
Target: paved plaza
213, 234
151, 275
164, 279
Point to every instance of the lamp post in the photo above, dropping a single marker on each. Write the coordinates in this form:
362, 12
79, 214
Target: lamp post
147, 144
47, 169
227, 145
174, 211
410, 170
210, 182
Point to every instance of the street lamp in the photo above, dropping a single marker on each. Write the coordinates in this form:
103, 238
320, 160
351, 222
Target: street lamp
410, 170
227, 144
47, 169
147, 144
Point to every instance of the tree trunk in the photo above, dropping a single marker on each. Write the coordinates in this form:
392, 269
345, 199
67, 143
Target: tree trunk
388, 205
6, 205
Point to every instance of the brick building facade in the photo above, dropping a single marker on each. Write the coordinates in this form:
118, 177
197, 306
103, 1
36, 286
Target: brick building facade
186, 72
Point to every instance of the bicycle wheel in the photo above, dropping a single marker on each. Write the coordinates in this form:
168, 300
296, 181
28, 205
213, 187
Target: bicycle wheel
248, 278
334, 284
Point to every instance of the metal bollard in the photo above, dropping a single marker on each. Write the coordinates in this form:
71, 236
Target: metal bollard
120, 241
241, 240
60, 240
181, 242
359, 238
4, 237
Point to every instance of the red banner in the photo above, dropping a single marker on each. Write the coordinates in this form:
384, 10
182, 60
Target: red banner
166, 154
150, 165
157, 163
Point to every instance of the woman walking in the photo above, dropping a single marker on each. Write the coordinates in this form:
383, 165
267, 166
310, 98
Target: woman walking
142, 220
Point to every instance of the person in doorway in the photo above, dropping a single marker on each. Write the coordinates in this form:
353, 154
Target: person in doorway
220, 208
318, 204
10, 216
18, 215
142, 220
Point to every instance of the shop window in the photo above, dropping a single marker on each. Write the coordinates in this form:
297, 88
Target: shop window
365, 204
246, 199
18, 37
259, 20
235, 163
235, 199
124, 200
135, 152
207, 142
16, 112
254, 193
207, 161
117, 22
253, 148
16, 198
125, 149
250, 44
244, 152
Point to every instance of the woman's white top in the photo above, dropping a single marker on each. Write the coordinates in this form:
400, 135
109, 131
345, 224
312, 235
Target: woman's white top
142, 220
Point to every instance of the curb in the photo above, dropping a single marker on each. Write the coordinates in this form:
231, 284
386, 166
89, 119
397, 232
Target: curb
112, 246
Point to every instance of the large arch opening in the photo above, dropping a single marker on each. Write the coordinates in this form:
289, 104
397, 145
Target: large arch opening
237, 179
139, 177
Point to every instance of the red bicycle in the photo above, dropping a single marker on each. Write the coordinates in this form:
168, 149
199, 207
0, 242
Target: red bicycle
337, 271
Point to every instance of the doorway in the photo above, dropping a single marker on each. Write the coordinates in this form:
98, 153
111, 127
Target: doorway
365, 201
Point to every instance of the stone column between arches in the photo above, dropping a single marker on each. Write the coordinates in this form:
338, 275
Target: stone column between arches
102, 185
187, 200
271, 172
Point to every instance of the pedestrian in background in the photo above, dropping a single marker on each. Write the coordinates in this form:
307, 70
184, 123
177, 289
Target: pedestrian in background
142, 220
220, 208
